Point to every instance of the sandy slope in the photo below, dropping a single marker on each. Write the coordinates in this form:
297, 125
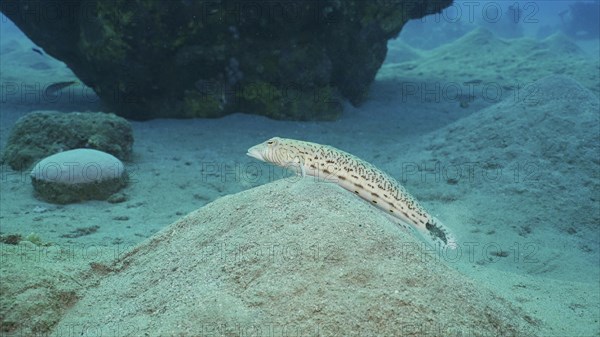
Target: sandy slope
258, 259
519, 181
497, 65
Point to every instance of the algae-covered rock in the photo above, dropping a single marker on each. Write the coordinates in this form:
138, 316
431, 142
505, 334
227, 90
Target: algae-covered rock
42, 133
287, 60
78, 175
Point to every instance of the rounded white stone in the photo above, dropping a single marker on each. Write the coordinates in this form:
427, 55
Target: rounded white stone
79, 166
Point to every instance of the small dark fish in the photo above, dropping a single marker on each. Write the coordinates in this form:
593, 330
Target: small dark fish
473, 82
56, 87
37, 50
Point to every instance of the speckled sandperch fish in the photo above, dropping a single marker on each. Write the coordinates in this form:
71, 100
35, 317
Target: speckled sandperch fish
357, 176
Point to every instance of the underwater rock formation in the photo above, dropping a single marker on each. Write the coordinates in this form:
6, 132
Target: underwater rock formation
78, 175
42, 133
284, 60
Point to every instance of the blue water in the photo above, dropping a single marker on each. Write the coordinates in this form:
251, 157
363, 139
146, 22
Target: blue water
518, 184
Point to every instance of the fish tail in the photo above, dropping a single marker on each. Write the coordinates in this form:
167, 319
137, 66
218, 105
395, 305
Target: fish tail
437, 232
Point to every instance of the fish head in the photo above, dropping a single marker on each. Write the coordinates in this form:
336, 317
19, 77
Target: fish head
266, 150
278, 151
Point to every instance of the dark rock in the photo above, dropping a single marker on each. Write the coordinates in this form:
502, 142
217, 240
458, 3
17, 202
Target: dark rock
81, 231
11, 239
285, 60
42, 133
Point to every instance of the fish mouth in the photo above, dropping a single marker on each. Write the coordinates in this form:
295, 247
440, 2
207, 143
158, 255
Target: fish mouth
254, 152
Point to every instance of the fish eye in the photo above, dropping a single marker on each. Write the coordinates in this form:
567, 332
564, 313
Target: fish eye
271, 142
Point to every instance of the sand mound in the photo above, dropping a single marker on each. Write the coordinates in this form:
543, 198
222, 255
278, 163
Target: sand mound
399, 51
554, 119
37, 285
540, 145
302, 258
495, 63
522, 172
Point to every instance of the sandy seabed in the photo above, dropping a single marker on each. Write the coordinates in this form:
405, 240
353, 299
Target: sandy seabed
516, 178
